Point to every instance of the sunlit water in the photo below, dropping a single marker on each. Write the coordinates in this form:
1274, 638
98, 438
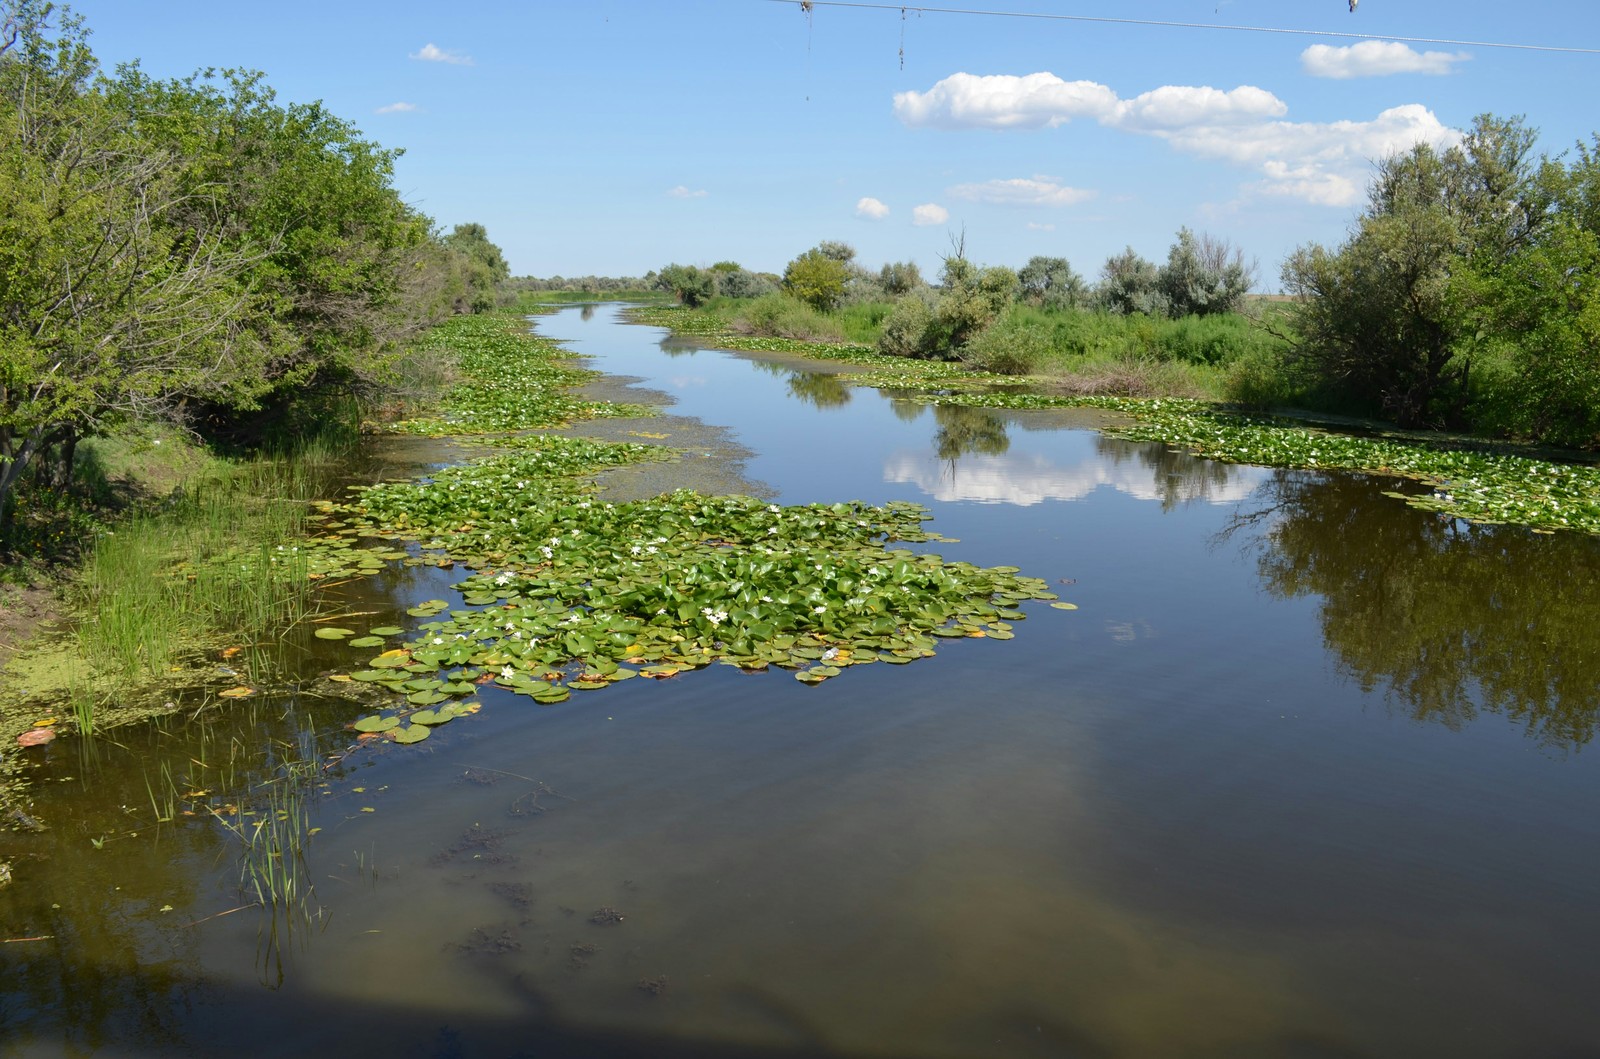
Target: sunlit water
1306, 775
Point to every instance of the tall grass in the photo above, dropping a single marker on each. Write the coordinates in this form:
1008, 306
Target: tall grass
216, 561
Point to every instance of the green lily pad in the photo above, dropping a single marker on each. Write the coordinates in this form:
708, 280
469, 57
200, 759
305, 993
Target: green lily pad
331, 633
387, 630
412, 733
432, 717
367, 641
376, 723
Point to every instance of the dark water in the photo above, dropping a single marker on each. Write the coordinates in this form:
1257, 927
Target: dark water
1306, 775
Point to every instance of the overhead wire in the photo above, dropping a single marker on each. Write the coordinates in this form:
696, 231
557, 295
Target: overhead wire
808, 5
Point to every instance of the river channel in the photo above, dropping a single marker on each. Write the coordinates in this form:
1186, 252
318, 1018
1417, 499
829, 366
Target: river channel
1308, 773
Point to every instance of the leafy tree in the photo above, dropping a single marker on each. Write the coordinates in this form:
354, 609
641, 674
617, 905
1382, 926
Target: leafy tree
900, 277
741, 284
107, 311
970, 299
483, 266
1204, 275
1051, 282
1130, 284
818, 277
690, 285
1388, 318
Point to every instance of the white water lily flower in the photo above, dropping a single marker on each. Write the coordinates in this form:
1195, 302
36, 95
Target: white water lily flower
772, 530
437, 640
820, 610
508, 672
546, 549
773, 508
635, 550
651, 550
503, 579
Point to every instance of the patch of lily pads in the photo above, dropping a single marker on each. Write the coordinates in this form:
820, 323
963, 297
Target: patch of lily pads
515, 380
574, 594
571, 593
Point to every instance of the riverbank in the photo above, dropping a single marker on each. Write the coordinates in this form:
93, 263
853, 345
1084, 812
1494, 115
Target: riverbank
1476, 480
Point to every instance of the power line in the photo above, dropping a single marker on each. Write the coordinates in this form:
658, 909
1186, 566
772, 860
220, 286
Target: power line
808, 5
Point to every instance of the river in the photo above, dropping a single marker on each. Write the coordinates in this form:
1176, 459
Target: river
1306, 774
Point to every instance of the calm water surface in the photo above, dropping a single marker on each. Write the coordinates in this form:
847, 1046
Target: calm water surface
1306, 775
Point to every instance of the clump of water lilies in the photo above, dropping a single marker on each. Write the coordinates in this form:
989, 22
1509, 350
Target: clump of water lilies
1479, 486
515, 380
573, 593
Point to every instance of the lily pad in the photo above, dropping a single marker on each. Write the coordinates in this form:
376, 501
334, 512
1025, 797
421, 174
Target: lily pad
334, 633
376, 723
413, 733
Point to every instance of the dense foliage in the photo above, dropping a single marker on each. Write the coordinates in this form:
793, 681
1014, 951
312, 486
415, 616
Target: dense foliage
1466, 295
192, 250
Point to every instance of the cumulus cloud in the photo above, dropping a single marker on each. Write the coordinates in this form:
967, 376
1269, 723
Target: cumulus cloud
871, 209
432, 53
397, 108
1177, 106
1326, 163
682, 192
1003, 101
1021, 191
929, 213
1376, 58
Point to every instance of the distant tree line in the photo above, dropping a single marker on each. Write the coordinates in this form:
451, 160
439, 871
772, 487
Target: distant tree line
193, 250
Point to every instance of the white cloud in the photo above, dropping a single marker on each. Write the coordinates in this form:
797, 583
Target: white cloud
1003, 101
871, 209
397, 108
682, 192
1020, 191
1035, 226
929, 213
1175, 106
1326, 163
1376, 58
432, 53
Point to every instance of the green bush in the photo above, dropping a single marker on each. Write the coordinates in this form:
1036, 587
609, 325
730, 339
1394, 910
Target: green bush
780, 315
1011, 346
910, 329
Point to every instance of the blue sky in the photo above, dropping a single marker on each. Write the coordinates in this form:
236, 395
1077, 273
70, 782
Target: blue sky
613, 137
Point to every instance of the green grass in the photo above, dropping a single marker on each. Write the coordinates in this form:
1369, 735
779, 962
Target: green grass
207, 566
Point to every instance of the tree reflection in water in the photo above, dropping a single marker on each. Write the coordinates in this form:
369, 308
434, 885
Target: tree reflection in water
968, 430
1448, 619
1178, 477
819, 389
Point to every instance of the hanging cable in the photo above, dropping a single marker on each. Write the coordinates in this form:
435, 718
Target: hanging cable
808, 5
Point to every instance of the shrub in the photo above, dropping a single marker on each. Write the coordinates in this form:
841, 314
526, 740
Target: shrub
781, 316
1012, 346
910, 329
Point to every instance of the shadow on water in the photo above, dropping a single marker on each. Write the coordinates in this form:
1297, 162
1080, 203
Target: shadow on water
1449, 620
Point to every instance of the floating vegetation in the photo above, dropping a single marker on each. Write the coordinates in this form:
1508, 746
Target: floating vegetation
569, 593
572, 594
515, 380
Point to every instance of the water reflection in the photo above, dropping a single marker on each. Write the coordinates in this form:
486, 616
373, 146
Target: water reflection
972, 459
818, 389
1448, 620
966, 431
587, 312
